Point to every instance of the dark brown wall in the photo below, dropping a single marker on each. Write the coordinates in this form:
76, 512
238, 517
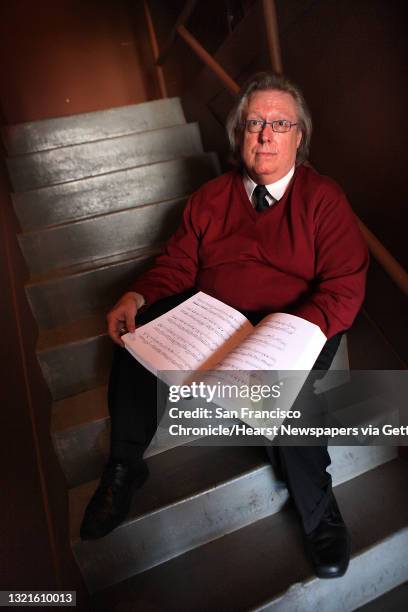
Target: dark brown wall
71, 56
34, 542
26, 559
350, 59
56, 58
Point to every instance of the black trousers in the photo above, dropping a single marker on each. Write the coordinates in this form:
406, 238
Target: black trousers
132, 397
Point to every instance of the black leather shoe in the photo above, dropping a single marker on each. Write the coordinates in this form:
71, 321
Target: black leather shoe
329, 545
110, 503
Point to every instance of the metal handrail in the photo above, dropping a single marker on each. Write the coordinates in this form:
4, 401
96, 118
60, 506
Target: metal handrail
387, 261
396, 272
272, 34
230, 84
181, 21
155, 49
180, 29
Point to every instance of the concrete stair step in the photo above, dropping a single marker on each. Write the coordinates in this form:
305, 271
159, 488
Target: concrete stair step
79, 410
78, 161
76, 356
263, 567
81, 425
394, 601
80, 431
123, 188
81, 422
193, 494
189, 500
85, 266
91, 239
86, 127
95, 285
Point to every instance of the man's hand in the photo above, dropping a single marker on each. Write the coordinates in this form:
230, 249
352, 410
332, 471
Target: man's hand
121, 318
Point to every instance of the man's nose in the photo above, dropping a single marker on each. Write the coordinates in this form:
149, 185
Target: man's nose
266, 134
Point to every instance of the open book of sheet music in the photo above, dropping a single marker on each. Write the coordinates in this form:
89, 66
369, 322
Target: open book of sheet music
204, 334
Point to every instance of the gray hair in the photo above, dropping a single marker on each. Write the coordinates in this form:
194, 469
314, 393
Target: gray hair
264, 81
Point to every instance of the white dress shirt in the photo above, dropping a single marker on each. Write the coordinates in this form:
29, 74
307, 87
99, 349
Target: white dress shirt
276, 190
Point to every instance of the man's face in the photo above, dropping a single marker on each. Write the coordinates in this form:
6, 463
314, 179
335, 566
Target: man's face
269, 155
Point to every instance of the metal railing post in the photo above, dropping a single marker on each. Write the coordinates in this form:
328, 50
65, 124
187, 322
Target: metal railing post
155, 49
272, 34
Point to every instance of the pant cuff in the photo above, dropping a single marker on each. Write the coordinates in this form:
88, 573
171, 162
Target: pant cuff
312, 520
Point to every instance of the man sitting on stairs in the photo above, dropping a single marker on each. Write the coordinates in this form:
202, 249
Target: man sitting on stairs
271, 235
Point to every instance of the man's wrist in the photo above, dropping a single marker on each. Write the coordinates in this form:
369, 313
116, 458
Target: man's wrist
138, 297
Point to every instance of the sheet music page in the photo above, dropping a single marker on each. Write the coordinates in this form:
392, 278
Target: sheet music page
279, 342
191, 336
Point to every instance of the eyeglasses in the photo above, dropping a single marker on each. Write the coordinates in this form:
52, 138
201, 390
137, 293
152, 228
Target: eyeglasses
258, 125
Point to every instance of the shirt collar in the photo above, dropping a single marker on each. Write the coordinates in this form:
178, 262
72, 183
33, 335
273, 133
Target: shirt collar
276, 189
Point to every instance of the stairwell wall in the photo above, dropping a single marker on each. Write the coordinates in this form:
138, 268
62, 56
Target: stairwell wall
67, 57
26, 557
35, 552
56, 59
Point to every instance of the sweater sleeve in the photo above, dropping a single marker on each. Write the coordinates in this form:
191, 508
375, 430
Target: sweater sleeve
340, 267
175, 270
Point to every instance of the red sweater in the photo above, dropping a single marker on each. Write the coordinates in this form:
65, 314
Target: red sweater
305, 255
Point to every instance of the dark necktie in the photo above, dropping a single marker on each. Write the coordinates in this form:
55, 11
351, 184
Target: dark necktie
261, 203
